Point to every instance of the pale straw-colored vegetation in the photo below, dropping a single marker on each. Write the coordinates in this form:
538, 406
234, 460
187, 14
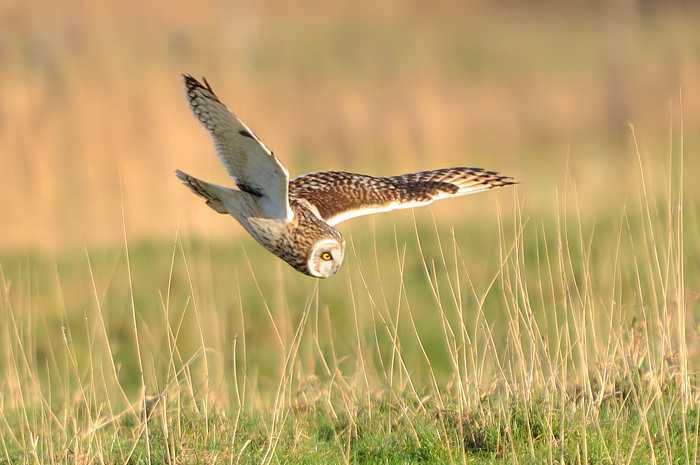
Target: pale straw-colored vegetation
551, 322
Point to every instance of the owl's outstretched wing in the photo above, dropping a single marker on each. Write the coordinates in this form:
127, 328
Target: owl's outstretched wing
253, 166
338, 195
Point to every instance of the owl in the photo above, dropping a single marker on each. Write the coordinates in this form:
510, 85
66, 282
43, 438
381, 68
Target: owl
295, 219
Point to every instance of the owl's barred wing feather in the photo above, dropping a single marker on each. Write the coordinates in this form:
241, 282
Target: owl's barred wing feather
338, 195
253, 166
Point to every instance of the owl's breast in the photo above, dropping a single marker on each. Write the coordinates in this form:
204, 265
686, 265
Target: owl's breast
294, 241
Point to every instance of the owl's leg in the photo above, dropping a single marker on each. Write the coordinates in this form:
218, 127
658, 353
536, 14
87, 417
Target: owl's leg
207, 191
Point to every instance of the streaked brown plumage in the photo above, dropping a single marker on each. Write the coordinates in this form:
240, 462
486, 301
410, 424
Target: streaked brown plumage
294, 219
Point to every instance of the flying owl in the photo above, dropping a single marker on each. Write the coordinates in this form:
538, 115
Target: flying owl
295, 219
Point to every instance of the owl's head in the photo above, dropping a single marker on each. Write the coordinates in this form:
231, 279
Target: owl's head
325, 257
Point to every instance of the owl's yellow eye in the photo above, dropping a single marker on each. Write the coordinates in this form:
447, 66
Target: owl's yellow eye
326, 256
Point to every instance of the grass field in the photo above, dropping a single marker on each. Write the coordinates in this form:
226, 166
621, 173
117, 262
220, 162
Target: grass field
555, 321
548, 341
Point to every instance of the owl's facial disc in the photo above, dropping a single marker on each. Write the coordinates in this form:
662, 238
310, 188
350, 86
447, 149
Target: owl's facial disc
326, 257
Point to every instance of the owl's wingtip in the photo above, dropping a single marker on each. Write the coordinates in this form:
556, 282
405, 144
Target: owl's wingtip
192, 83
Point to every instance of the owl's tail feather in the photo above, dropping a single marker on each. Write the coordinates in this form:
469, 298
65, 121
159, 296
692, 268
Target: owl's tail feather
210, 192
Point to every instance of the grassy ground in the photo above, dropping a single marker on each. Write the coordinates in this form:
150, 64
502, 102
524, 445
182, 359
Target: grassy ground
549, 341
396, 429
551, 322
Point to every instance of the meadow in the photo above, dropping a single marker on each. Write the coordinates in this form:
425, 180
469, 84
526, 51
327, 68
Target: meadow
552, 321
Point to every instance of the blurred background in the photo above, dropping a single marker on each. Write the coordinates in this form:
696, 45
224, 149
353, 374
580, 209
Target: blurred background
93, 120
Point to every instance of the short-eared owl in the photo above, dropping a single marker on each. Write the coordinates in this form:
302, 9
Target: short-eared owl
294, 219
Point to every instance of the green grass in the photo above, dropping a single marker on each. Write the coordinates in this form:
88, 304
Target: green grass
391, 428
552, 323
507, 340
